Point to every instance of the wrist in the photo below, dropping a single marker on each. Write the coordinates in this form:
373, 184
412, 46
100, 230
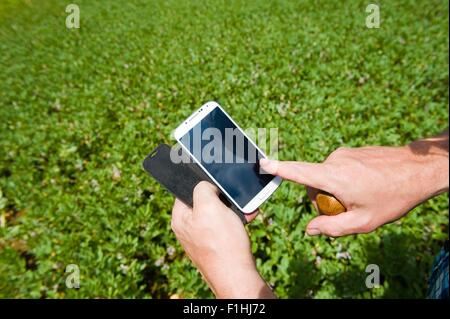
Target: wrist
430, 160
238, 281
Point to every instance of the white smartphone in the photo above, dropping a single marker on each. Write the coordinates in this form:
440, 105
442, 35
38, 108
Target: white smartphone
227, 155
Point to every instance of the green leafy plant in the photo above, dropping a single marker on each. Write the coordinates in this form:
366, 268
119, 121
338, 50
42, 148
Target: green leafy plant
80, 109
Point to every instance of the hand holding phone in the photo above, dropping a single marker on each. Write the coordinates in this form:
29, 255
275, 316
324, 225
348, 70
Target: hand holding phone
218, 245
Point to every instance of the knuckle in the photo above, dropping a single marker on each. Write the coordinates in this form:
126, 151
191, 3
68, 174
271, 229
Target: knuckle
334, 232
201, 187
367, 225
333, 183
175, 225
343, 149
367, 228
340, 151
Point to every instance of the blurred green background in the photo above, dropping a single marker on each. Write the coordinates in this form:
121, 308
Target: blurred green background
80, 109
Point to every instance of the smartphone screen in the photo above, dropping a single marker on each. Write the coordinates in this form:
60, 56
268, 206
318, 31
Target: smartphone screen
228, 156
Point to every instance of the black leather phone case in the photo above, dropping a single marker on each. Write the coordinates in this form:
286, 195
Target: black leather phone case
180, 178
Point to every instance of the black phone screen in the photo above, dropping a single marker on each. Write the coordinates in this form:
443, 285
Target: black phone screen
226, 153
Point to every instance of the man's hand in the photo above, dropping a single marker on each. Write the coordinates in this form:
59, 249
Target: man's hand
216, 241
377, 185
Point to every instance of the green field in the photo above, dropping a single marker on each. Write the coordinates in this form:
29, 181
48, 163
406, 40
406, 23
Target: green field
81, 108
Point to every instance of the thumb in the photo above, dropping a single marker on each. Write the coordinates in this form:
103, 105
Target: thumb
310, 174
351, 222
205, 192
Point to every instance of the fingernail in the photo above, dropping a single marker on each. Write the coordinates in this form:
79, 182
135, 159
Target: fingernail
268, 166
313, 231
264, 162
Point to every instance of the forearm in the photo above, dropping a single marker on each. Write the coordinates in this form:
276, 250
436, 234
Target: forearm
238, 283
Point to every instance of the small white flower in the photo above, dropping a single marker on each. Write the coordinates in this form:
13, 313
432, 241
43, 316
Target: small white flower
283, 108
116, 173
79, 165
95, 185
318, 261
171, 250
343, 255
159, 262
124, 268
57, 105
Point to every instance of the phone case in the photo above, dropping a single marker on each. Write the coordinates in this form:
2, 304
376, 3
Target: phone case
180, 178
